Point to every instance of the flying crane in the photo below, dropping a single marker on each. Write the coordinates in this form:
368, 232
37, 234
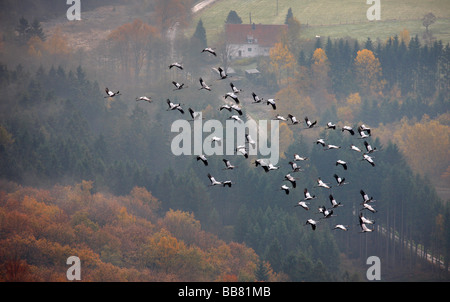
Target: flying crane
312, 222
173, 106
110, 93
144, 98
308, 195
309, 124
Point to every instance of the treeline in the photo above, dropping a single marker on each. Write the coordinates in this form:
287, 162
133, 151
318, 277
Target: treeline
396, 78
417, 70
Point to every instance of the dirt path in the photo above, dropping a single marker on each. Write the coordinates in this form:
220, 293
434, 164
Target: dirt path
201, 5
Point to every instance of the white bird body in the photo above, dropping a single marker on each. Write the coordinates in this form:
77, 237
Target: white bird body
367, 206
272, 103
299, 158
349, 129
144, 98
213, 181
226, 106
110, 93
369, 159
256, 98
334, 203
309, 124
285, 189
173, 106
364, 220
216, 139
233, 96
308, 195
321, 184
234, 89
293, 119
176, 64
228, 165
249, 140
177, 85
203, 85
221, 72
260, 162
364, 128
340, 181
280, 118
236, 118
242, 150
312, 222
330, 125
236, 108
363, 135
340, 227
326, 213
365, 229
227, 183
330, 147
302, 204
354, 148
210, 50
366, 198
320, 141
342, 163
295, 167
269, 167
291, 179
203, 159
369, 148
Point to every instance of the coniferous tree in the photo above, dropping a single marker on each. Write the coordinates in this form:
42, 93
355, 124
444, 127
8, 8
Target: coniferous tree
289, 15
200, 35
369, 45
23, 29
36, 30
262, 272
233, 18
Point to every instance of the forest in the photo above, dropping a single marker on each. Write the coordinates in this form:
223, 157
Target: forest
93, 176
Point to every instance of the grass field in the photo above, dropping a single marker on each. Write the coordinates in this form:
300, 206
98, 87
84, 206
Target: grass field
333, 18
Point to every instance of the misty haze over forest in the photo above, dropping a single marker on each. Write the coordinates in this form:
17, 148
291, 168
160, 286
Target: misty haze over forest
92, 175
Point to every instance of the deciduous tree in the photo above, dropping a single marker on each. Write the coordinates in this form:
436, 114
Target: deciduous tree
282, 63
368, 73
132, 41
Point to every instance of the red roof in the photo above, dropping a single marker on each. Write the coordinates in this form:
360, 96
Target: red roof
265, 34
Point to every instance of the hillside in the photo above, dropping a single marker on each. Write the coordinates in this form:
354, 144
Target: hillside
334, 19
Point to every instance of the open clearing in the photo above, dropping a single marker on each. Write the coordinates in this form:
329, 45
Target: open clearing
335, 19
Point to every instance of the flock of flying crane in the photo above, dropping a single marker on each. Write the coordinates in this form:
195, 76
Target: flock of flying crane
364, 132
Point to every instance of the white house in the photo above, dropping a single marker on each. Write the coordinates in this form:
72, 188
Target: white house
251, 40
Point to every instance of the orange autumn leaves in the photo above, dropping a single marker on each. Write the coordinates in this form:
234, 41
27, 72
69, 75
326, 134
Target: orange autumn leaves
368, 73
117, 238
425, 144
132, 42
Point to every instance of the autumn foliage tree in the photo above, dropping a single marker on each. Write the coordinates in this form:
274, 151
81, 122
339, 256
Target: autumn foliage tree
368, 73
131, 42
415, 138
321, 83
168, 12
117, 238
282, 63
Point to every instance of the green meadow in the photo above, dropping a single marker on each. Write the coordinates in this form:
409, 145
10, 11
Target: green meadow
331, 18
